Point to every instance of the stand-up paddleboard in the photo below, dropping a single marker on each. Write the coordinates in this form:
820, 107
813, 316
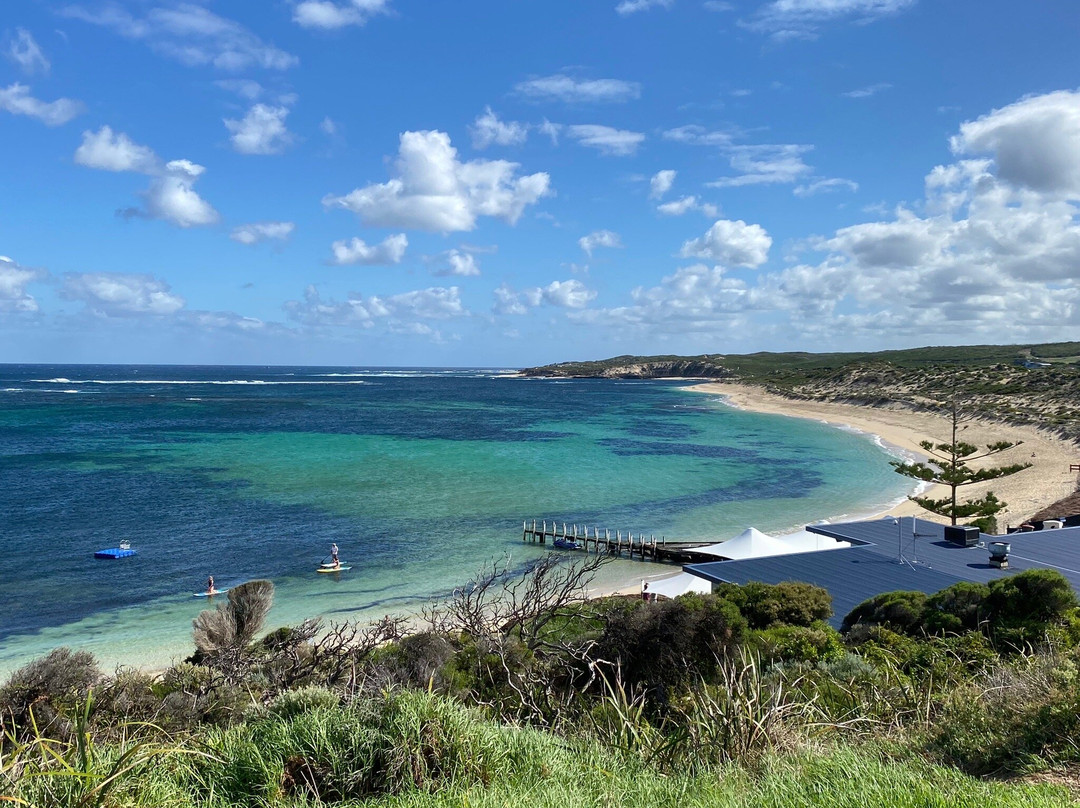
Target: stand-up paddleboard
342, 568
330, 564
210, 594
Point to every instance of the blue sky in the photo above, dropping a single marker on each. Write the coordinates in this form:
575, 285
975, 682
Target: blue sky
493, 183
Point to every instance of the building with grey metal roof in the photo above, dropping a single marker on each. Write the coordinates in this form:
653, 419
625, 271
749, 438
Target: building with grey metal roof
906, 554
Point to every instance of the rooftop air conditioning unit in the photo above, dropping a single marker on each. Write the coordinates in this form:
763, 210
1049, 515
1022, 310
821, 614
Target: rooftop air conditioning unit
963, 535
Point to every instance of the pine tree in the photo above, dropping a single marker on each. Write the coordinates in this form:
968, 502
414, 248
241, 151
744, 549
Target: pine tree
948, 466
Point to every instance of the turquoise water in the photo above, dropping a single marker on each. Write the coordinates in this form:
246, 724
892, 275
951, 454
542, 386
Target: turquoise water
420, 476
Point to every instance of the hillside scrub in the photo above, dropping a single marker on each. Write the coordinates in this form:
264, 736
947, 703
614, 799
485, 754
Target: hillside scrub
744, 697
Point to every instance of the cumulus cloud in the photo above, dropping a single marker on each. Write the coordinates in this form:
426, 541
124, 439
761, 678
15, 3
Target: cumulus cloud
599, 238
355, 251
17, 100
171, 195
561, 87
731, 242
189, 33
114, 151
765, 164
262, 231
1035, 142
435, 191
115, 294
633, 6
261, 131
13, 282
661, 183
24, 50
610, 141
397, 312
488, 129
802, 19
330, 15
459, 263
571, 294
679, 207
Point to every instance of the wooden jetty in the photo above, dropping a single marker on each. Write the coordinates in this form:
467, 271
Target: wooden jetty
570, 536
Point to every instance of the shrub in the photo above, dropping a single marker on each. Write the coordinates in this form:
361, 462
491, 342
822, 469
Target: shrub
303, 700
900, 611
1030, 599
233, 625
661, 644
41, 690
960, 607
789, 603
815, 643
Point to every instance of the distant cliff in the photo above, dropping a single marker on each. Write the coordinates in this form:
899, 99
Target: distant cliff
639, 367
1037, 385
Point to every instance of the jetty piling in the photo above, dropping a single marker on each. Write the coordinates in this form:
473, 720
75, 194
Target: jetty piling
645, 547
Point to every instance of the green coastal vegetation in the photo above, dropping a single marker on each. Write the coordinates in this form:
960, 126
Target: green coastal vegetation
1035, 385
517, 691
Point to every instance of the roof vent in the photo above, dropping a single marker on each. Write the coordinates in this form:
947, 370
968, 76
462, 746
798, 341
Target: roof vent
999, 554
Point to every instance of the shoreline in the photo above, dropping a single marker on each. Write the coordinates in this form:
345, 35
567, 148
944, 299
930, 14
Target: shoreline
1026, 492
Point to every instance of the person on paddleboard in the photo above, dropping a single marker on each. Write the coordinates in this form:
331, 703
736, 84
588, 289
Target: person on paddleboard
210, 586
334, 555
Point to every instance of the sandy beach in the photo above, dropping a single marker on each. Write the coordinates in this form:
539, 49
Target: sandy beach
1027, 492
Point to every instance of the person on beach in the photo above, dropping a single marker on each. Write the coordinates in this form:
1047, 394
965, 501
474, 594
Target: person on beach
334, 555
210, 586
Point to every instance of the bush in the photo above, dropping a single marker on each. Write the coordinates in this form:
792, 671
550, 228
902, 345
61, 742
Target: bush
1031, 600
42, 690
790, 603
817, 643
661, 644
899, 611
957, 608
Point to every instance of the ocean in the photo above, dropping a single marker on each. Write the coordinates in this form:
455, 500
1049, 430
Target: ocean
421, 476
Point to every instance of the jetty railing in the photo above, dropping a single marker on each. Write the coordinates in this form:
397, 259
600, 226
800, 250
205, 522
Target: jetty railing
595, 540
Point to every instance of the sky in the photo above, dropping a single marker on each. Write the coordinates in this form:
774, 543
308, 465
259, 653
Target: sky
505, 183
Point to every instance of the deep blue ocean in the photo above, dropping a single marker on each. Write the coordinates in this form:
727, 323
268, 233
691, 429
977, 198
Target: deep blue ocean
420, 476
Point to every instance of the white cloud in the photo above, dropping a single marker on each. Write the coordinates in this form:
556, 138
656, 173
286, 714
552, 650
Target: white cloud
190, 34
26, 53
488, 129
764, 164
397, 312
717, 5
1035, 142
262, 231
390, 251
13, 282
801, 19
632, 6
330, 15
699, 136
171, 196
434, 191
610, 141
114, 151
261, 131
571, 294
731, 242
552, 130
679, 207
694, 300
328, 127
661, 183
115, 294
561, 87
868, 92
459, 263
825, 186
17, 100
599, 238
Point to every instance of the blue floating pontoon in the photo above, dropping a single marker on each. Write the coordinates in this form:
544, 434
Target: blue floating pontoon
123, 551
